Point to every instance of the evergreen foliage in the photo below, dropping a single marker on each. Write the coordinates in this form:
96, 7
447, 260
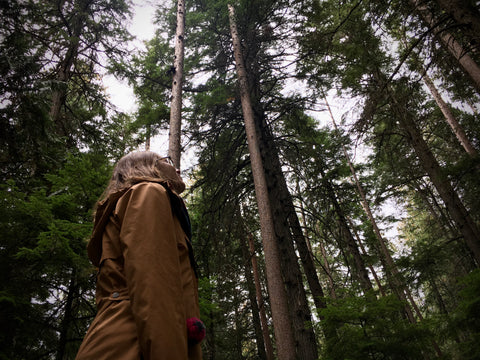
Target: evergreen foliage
60, 136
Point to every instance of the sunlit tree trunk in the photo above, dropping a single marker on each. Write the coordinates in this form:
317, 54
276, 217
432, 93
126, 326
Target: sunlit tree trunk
278, 302
174, 136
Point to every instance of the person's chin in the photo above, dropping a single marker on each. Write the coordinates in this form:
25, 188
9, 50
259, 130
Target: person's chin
178, 186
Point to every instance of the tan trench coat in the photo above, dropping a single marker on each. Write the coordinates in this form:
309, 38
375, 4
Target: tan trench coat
146, 286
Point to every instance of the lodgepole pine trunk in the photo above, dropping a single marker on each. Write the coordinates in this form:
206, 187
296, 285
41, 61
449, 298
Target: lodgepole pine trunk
174, 136
278, 301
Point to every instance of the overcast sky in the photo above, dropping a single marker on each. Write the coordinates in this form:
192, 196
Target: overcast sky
142, 27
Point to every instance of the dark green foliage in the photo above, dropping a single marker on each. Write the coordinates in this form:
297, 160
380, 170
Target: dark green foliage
43, 258
369, 328
54, 169
466, 317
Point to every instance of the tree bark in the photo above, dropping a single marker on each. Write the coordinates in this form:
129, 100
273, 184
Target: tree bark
328, 271
174, 136
252, 297
465, 16
267, 351
454, 205
306, 256
282, 206
346, 238
67, 317
278, 302
393, 275
453, 46
450, 118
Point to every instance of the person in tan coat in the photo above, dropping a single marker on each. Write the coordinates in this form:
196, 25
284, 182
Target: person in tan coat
146, 282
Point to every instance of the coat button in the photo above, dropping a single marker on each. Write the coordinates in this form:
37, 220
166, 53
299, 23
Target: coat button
115, 295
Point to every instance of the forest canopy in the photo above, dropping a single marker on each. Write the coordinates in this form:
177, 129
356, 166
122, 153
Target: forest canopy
366, 118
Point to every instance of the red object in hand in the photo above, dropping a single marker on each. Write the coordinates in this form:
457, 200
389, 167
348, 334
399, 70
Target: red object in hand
196, 330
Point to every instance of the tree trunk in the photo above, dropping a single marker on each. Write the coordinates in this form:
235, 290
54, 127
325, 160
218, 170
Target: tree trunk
174, 136
453, 46
267, 351
466, 17
252, 297
64, 72
451, 120
396, 284
347, 239
281, 204
147, 138
454, 205
306, 256
67, 317
328, 271
278, 302
363, 252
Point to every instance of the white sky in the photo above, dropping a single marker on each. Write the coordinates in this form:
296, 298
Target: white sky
142, 28
120, 93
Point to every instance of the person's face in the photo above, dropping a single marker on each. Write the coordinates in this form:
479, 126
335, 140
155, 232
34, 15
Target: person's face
165, 165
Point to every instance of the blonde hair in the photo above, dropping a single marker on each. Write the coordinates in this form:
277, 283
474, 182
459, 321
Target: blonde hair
133, 168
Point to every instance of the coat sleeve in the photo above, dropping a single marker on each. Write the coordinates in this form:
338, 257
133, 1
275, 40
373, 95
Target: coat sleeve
152, 270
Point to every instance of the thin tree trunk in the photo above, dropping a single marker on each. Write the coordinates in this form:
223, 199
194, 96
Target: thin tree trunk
391, 270
435, 209
252, 296
451, 120
67, 317
454, 205
306, 256
364, 253
174, 136
328, 271
147, 139
453, 46
347, 238
238, 327
268, 350
278, 302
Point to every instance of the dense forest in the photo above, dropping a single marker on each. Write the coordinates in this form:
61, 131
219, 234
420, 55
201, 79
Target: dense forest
365, 115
